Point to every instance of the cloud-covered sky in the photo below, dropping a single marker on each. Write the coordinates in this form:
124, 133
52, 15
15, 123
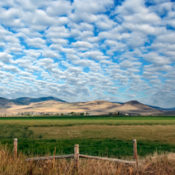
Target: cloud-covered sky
81, 50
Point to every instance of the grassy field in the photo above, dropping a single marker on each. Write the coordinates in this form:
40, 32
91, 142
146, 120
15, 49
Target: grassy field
156, 165
104, 136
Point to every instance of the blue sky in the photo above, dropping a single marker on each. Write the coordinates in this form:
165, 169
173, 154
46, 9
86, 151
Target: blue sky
83, 50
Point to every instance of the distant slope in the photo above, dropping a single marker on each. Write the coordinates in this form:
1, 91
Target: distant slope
137, 108
27, 100
162, 109
4, 102
51, 105
138, 105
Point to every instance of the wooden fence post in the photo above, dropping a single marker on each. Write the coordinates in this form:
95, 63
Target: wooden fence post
135, 151
15, 147
76, 156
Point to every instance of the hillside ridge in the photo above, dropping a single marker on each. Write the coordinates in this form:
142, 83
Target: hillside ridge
26, 100
55, 106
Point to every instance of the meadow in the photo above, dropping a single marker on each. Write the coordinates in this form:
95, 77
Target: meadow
103, 136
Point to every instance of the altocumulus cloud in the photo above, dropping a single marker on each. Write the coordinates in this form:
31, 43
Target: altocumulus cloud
82, 50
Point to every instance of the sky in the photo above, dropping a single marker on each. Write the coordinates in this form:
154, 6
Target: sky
82, 50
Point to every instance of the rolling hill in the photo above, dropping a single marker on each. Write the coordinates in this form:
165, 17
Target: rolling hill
4, 102
52, 105
27, 100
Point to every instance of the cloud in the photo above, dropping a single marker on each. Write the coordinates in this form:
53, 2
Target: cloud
50, 54
58, 8
157, 59
87, 50
82, 45
5, 57
94, 54
35, 42
11, 68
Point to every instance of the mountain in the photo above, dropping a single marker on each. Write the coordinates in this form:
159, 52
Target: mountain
136, 108
4, 102
138, 105
27, 100
162, 109
52, 105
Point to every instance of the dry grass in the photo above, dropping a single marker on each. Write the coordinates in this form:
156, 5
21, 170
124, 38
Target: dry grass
163, 133
157, 165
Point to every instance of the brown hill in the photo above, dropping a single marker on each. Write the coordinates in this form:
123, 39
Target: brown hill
137, 108
92, 108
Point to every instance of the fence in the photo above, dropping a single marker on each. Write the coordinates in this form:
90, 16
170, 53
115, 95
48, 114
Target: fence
77, 155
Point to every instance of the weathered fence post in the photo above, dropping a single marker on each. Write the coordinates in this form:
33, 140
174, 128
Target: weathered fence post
54, 153
76, 156
15, 147
135, 151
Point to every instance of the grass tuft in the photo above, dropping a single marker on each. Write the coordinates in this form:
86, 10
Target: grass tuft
155, 165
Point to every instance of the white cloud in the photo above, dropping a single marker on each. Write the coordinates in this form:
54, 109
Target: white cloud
56, 8
157, 59
11, 68
50, 54
90, 6
82, 45
95, 54
5, 57
87, 50
35, 42
57, 32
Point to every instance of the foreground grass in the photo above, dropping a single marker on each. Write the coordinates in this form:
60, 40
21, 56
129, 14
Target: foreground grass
97, 147
18, 166
108, 136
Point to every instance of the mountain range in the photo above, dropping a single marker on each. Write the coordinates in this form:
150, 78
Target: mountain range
51, 105
26, 100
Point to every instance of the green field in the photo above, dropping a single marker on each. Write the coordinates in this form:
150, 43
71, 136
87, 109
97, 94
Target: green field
104, 136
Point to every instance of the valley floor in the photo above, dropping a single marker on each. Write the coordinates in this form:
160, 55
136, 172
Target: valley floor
104, 136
